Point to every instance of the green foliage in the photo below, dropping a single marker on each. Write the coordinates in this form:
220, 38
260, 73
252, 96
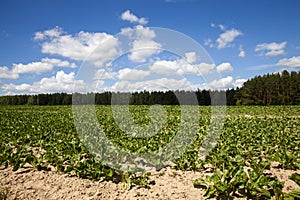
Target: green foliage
296, 178
271, 89
45, 137
252, 138
225, 183
295, 194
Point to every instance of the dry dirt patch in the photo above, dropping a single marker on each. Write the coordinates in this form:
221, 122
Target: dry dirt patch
28, 183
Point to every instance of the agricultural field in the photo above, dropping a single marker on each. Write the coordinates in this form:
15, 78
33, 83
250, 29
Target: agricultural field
256, 156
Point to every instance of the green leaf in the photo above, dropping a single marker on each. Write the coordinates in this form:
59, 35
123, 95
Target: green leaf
296, 178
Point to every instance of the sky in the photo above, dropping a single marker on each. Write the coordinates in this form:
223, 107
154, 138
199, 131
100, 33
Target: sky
65, 46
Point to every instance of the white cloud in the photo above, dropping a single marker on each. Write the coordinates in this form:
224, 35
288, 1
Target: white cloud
191, 57
221, 83
208, 42
61, 82
95, 47
242, 54
161, 84
181, 67
204, 68
7, 74
103, 74
132, 74
227, 82
128, 16
55, 32
222, 27
45, 65
143, 49
275, 53
127, 32
289, 62
226, 38
224, 67
279, 71
34, 67
165, 67
143, 45
271, 49
239, 82
15, 89
58, 63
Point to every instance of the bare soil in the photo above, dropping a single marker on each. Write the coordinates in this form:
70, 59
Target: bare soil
28, 183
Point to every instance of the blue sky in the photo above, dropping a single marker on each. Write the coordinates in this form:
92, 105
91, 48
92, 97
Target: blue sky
46, 45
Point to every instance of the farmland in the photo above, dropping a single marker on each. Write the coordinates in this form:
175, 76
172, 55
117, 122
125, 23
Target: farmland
254, 141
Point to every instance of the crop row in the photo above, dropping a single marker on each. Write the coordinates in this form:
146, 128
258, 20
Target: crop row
251, 141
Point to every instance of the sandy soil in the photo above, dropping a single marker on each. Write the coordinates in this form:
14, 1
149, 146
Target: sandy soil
28, 183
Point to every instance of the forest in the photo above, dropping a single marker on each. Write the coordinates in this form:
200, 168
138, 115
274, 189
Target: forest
270, 89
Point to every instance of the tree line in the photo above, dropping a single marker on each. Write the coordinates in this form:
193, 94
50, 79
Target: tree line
203, 97
269, 89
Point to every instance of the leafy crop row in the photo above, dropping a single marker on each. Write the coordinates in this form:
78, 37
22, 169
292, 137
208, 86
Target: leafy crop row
246, 149
253, 138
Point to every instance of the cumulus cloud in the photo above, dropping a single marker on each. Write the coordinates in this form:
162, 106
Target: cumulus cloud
209, 42
227, 82
271, 49
191, 57
144, 45
242, 54
132, 74
102, 74
51, 33
7, 74
45, 65
129, 16
95, 47
61, 82
204, 68
34, 67
165, 84
224, 67
226, 38
181, 67
165, 67
161, 84
293, 62
239, 82
58, 63
221, 83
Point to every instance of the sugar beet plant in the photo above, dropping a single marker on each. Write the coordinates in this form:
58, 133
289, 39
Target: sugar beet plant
45, 137
253, 138
244, 153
